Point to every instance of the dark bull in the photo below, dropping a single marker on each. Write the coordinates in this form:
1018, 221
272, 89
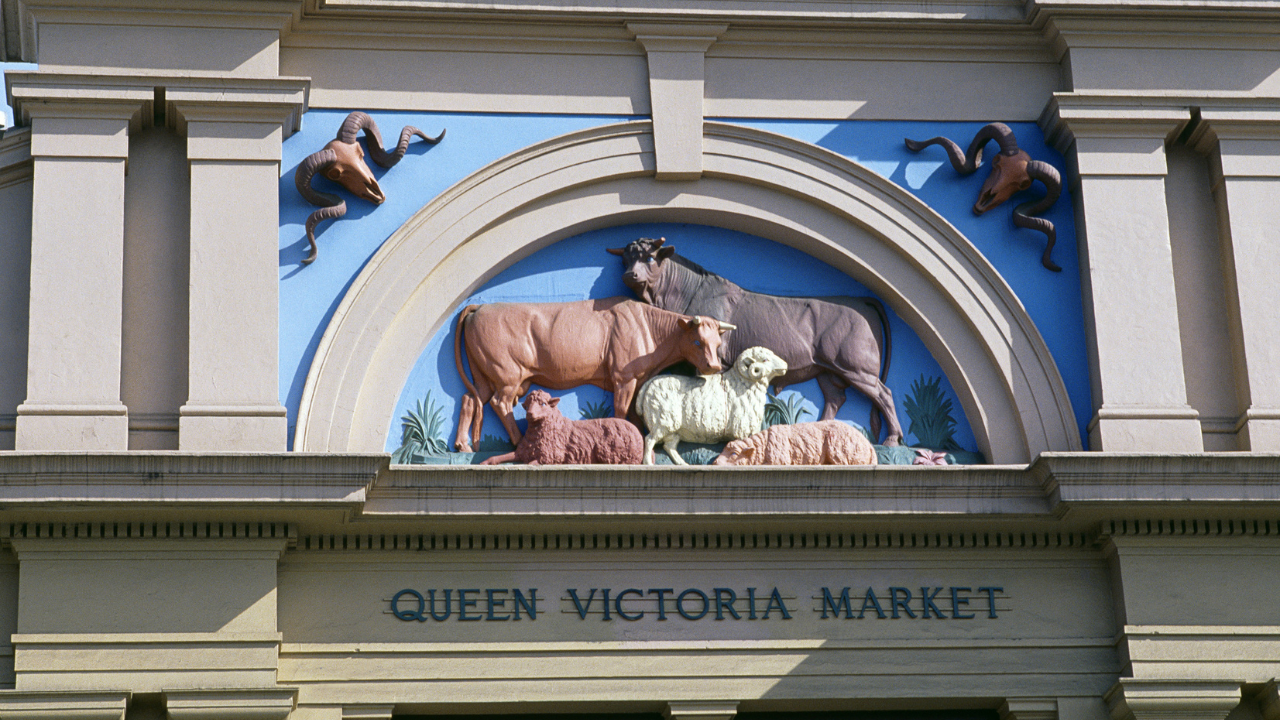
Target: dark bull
837, 340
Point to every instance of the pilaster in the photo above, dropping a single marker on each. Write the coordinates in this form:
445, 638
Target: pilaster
1243, 143
677, 59
79, 148
1133, 699
1139, 385
233, 147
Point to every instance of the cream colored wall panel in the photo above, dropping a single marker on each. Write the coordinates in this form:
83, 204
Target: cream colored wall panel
142, 586
1185, 581
1175, 67
153, 379
877, 90
238, 51
606, 84
15, 284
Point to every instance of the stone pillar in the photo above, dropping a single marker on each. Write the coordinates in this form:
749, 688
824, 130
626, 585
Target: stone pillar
676, 55
1139, 387
1133, 699
79, 147
233, 147
701, 710
1244, 149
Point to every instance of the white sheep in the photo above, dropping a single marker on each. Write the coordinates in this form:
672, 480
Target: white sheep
708, 408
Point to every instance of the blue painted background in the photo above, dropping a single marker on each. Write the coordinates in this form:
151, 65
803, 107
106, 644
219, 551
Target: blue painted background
309, 295
579, 268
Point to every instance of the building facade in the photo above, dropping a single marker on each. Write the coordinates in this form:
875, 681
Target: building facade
227, 454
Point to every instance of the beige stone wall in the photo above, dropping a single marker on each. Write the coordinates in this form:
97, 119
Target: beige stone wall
15, 276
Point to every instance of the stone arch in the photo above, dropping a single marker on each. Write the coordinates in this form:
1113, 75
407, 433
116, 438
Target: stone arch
753, 181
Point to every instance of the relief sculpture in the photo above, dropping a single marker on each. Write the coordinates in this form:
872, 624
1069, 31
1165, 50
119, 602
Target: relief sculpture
613, 343
710, 408
1012, 170
342, 161
838, 340
554, 439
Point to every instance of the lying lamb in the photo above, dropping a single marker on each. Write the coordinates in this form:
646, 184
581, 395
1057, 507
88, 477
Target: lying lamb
827, 442
708, 408
554, 439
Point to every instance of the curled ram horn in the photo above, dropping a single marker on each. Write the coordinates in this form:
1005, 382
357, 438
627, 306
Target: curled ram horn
332, 206
1012, 171
358, 121
342, 161
967, 162
1047, 174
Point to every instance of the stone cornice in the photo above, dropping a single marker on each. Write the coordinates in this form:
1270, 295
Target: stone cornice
1113, 494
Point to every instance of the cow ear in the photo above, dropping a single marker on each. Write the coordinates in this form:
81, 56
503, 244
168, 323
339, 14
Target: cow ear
616, 251
665, 252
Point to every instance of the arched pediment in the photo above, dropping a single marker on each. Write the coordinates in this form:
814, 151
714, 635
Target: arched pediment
753, 181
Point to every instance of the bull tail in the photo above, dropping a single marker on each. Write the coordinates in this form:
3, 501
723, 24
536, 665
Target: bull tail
888, 338
457, 349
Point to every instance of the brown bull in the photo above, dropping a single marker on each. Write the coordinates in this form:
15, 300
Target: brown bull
613, 343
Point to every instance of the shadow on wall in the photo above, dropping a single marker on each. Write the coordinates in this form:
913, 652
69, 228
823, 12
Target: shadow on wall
579, 268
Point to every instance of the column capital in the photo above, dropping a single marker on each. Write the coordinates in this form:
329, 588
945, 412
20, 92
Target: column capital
1029, 709
251, 704
676, 37
701, 710
1138, 699
63, 705
1242, 136
205, 96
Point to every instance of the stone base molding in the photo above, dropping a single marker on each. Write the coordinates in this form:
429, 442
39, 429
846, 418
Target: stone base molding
700, 710
63, 705
265, 704
1029, 709
1133, 699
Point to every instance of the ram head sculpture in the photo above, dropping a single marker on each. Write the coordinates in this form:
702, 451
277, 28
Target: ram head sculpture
1012, 170
342, 161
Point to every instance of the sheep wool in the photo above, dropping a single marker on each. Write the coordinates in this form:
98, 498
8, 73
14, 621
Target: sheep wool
826, 442
708, 408
554, 439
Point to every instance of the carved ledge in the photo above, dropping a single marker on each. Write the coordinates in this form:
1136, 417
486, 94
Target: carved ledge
1134, 699
1029, 709
265, 704
700, 710
63, 705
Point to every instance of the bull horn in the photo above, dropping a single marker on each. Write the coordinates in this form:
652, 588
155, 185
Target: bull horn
695, 321
969, 161
332, 206
358, 121
1047, 174
726, 327
616, 251
658, 243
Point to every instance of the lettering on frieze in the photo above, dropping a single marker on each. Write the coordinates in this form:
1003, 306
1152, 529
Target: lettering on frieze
631, 604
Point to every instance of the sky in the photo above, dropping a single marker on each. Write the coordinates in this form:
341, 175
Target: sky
4, 94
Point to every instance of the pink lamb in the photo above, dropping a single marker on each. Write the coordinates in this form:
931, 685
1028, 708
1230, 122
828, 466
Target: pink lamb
827, 442
553, 439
